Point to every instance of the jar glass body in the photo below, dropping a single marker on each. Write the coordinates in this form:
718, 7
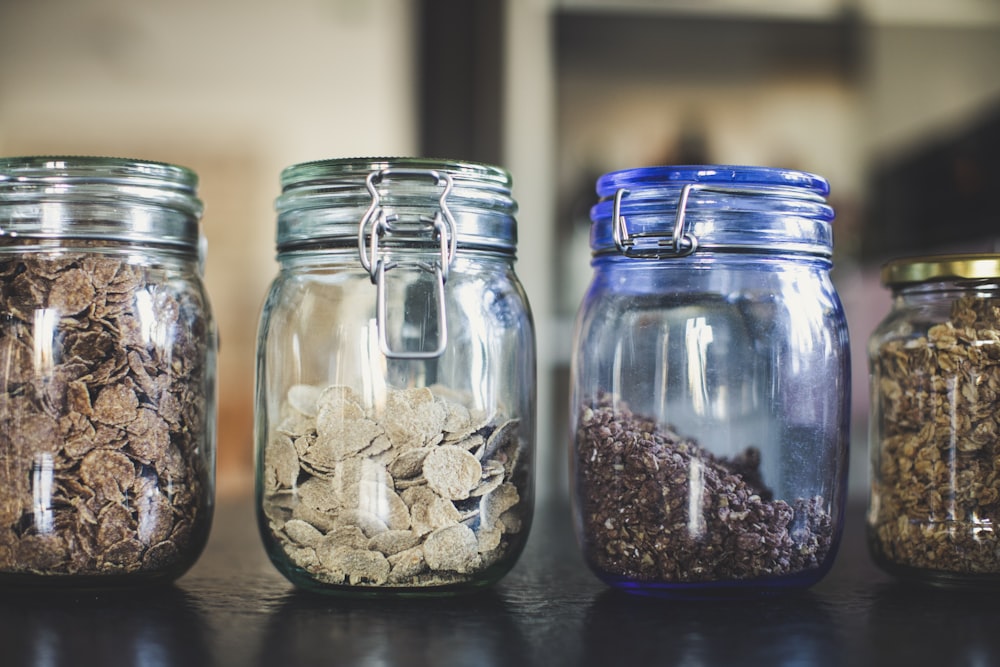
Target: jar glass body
935, 382
379, 471
709, 415
107, 378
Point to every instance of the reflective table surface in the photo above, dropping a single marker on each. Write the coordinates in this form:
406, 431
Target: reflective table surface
233, 608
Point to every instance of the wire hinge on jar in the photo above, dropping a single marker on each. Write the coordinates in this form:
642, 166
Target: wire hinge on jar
375, 224
677, 243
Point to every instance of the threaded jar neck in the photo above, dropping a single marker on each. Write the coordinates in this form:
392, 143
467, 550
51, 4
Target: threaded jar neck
323, 203
675, 211
100, 199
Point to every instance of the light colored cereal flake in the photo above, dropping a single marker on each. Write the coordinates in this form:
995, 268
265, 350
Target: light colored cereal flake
296, 425
351, 472
346, 536
408, 464
319, 493
406, 564
472, 443
333, 408
454, 548
501, 438
497, 502
429, 511
361, 566
442, 513
382, 502
457, 417
404, 484
418, 496
281, 463
323, 520
488, 540
303, 398
487, 485
340, 440
392, 542
369, 524
452, 471
413, 417
302, 533
511, 521
379, 446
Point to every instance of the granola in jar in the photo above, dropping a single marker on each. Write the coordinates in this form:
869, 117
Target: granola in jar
935, 361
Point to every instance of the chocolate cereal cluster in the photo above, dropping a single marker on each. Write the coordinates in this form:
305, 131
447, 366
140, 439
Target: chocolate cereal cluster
636, 480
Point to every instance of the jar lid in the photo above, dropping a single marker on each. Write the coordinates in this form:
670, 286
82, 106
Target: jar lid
973, 266
670, 211
325, 202
99, 198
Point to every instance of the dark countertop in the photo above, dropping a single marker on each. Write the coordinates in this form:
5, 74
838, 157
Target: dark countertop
233, 608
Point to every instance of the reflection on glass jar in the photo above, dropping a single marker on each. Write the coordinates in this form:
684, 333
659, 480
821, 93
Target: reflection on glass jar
107, 373
935, 364
710, 383
396, 380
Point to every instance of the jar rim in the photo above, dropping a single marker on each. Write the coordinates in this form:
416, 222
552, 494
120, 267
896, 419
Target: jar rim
708, 174
99, 198
304, 173
929, 268
665, 212
31, 169
326, 203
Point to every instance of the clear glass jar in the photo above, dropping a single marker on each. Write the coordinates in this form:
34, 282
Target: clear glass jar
395, 415
107, 373
710, 383
934, 506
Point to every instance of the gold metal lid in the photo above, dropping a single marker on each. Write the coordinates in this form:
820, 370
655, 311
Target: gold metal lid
911, 270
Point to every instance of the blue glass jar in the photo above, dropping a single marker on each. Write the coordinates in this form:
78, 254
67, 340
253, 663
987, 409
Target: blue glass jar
395, 413
710, 383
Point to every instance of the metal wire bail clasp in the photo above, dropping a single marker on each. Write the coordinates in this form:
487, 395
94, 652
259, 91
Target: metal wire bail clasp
376, 224
676, 244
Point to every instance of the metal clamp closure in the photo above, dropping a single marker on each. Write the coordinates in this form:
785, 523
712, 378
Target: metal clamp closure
676, 244
376, 224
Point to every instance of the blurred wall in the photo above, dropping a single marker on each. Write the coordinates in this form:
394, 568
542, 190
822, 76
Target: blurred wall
235, 89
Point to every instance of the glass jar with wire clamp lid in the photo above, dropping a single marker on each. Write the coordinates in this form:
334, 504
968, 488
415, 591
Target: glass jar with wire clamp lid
934, 433
107, 373
710, 383
395, 410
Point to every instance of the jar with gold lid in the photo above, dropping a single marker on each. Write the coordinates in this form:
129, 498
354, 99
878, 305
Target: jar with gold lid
935, 422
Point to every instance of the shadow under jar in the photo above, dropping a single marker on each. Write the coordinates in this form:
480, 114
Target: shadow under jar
934, 435
710, 383
107, 373
395, 412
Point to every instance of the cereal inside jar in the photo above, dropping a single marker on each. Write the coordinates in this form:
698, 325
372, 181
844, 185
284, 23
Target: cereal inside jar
935, 367
395, 414
107, 352
709, 383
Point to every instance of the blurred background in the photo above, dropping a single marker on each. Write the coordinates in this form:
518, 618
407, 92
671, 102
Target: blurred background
896, 102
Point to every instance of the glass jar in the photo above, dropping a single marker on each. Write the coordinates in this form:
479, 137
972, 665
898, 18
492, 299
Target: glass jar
395, 415
934, 438
107, 373
710, 383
